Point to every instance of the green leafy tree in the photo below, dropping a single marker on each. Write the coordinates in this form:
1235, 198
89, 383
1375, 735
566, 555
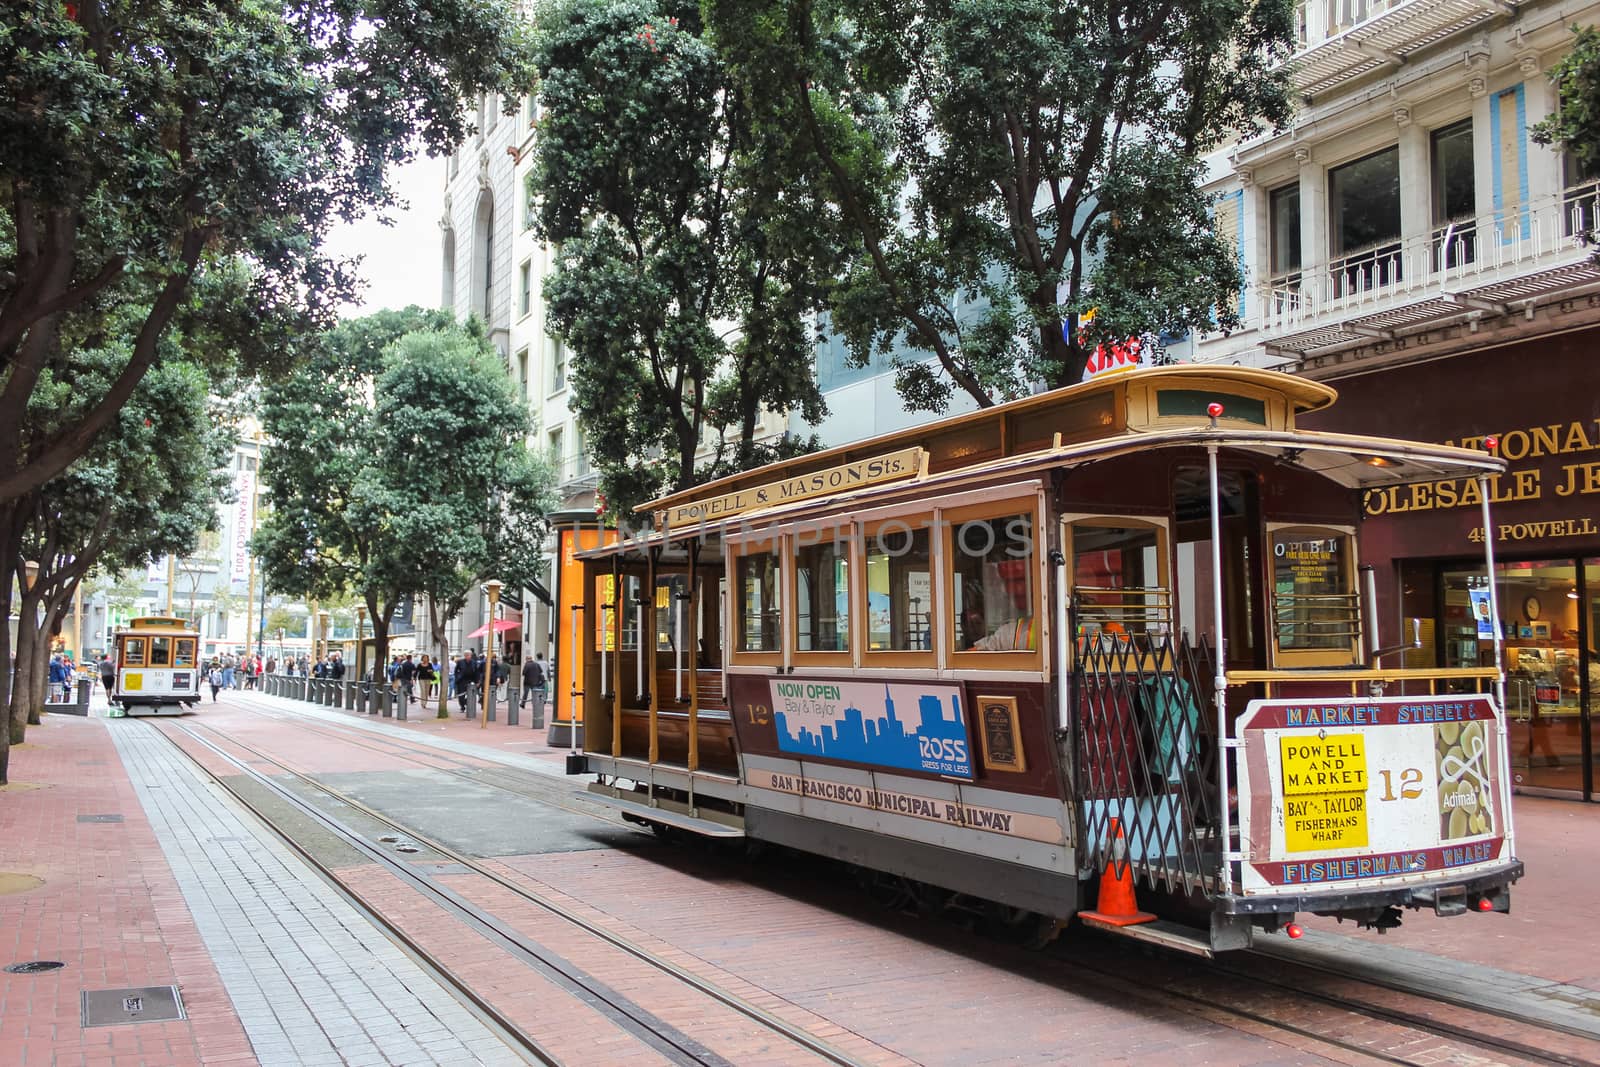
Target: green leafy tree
171, 169
396, 466
1004, 166
469, 500
685, 269
148, 487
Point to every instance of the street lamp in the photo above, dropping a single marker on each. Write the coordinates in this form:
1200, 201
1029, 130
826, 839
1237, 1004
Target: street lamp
492, 587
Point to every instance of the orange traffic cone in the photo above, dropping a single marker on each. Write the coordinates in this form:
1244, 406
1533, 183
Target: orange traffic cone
1116, 906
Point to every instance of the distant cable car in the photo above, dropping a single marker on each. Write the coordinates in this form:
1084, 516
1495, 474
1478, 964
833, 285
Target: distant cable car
158, 672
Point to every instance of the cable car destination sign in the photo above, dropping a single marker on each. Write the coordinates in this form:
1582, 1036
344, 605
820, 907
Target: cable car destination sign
1347, 793
907, 463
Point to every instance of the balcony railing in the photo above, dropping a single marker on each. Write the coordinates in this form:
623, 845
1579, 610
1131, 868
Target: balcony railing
1453, 258
1341, 40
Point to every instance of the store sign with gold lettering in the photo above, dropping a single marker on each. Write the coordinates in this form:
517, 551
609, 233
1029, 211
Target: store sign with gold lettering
1351, 792
906, 463
1546, 469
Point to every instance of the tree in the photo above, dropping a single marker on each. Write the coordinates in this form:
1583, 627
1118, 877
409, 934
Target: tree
684, 276
146, 489
1005, 166
397, 465
454, 424
176, 167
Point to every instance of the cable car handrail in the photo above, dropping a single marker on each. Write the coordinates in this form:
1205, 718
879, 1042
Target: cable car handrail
1360, 674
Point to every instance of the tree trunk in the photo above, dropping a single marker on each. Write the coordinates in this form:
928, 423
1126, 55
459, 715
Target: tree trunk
5, 656
40, 691
23, 685
435, 611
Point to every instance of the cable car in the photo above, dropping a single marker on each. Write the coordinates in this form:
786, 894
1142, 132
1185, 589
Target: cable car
1117, 635
157, 669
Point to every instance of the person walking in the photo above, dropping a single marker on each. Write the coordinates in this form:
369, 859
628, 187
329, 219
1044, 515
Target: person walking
426, 676
465, 674
533, 683
108, 675
58, 676
405, 673
216, 679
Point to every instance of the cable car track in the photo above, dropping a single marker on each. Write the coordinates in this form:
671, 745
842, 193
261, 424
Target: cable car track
475, 772
677, 1046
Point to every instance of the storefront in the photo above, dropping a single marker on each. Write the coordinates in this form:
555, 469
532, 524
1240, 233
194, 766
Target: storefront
1541, 399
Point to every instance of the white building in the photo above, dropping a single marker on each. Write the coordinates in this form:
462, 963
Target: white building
1407, 242
1407, 206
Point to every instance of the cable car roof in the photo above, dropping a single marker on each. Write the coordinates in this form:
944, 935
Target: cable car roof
1355, 461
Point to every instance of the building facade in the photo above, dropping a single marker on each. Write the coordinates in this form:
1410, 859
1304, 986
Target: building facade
1409, 243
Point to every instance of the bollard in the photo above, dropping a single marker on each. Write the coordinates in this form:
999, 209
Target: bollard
473, 702
386, 702
347, 695
513, 706
493, 693
537, 722
403, 698
361, 698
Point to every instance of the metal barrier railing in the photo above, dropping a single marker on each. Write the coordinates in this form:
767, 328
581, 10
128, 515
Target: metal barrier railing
1146, 758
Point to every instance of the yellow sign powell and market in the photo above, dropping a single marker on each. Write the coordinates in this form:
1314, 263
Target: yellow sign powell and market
907, 463
1324, 792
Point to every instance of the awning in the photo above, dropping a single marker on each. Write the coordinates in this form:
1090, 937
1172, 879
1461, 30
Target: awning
500, 625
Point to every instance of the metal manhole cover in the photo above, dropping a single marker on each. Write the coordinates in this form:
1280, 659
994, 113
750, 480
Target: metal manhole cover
146, 1004
99, 818
35, 967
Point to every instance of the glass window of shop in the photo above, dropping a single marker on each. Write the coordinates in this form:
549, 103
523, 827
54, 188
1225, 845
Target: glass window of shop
1548, 611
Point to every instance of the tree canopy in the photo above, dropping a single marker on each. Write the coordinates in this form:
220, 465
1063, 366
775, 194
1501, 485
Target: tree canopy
397, 465
686, 265
1005, 166
150, 147
148, 487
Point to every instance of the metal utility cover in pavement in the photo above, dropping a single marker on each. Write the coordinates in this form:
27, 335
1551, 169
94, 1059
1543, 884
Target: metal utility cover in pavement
147, 1004
99, 818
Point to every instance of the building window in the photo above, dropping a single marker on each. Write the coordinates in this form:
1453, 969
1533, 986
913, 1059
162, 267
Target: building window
558, 365
1364, 209
1580, 203
522, 371
581, 448
1454, 195
822, 589
525, 288
557, 453
1284, 208
447, 293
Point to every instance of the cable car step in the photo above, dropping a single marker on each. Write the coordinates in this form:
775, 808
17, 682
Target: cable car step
703, 827
1170, 935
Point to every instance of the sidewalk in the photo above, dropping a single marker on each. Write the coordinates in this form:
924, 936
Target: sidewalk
132, 872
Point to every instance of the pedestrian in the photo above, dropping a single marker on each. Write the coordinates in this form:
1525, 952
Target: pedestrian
426, 676
499, 674
336, 668
217, 680
466, 674
227, 670
533, 681
58, 677
406, 673
108, 674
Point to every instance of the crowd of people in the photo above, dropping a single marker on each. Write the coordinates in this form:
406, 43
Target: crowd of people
413, 675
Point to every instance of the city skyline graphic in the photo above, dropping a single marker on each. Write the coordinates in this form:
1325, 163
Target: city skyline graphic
937, 743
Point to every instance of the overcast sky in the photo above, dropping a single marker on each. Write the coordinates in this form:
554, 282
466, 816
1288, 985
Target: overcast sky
400, 263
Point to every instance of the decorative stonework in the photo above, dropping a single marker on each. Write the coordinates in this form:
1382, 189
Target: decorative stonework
1478, 87
1402, 116
1302, 154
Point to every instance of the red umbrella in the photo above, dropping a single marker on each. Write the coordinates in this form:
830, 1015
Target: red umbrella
500, 625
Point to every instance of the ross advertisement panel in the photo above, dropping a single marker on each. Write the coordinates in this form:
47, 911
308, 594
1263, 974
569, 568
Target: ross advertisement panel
1348, 793
859, 722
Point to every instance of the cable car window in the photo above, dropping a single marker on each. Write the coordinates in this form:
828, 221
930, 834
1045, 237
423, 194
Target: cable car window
184, 654
822, 591
1314, 599
899, 589
993, 571
760, 612
160, 652
1117, 586
133, 652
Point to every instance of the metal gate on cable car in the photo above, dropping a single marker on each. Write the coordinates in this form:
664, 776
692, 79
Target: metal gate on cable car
1108, 652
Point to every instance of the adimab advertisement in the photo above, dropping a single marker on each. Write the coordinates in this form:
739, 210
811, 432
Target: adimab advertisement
1346, 792
909, 727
